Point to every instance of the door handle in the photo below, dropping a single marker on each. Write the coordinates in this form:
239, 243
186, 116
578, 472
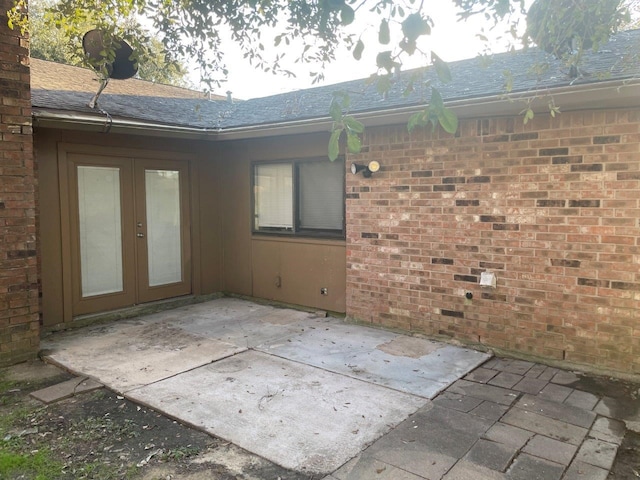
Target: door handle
140, 235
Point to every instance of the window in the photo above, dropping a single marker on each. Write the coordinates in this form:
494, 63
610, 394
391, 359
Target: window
274, 197
299, 197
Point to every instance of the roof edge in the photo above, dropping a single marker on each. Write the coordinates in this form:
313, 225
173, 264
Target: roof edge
600, 95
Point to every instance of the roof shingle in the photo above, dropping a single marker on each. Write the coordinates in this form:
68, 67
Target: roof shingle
530, 70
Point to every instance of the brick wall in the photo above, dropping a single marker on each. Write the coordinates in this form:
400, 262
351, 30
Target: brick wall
19, 322
552, 208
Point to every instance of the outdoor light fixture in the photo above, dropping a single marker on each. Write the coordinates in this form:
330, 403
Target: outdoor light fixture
366, 170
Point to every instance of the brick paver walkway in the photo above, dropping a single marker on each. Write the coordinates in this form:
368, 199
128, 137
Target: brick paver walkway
508, 419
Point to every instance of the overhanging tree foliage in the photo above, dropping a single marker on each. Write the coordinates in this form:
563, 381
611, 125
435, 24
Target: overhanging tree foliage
565, 28
274, 33
50, 43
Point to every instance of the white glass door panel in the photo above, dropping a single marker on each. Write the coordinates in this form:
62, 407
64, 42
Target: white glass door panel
100, 230
164, 229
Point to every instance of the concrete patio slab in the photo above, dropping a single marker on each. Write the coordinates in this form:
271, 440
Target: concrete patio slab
298, 416
130, 354
408, 364
245, 324
304, 391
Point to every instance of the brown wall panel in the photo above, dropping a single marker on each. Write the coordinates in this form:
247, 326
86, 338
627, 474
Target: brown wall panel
236, 226
251, 262
295, 271
207, 180
51, 243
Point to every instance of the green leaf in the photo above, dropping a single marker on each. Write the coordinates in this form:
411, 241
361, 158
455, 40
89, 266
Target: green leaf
383, 84
335, 110
416, 120
385, 61
508, 80
414, 26
442, 69
357, 51
408, 46
436, 102
334, 144
346, 100
353, 143
502, 8
528, 115
335, 4
384, 35
353, 125
448, 120
408, 89
347, 15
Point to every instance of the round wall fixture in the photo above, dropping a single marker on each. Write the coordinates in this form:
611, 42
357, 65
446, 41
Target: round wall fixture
367, 170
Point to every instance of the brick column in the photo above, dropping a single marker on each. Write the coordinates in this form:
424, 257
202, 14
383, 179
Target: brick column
19, 285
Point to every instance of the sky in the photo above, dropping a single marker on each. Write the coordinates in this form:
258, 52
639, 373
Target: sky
450, 39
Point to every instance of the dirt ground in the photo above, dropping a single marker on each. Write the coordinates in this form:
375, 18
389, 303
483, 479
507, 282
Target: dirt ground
100, 435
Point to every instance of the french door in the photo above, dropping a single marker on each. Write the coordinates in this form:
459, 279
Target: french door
130, 227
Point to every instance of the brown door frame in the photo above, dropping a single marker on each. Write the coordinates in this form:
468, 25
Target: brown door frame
70, 155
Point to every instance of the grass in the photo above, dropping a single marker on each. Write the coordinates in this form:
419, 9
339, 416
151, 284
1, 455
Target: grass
18, 459
5, 387
37, 465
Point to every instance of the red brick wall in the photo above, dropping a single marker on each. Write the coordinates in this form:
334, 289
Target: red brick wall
19, 322
552, 208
